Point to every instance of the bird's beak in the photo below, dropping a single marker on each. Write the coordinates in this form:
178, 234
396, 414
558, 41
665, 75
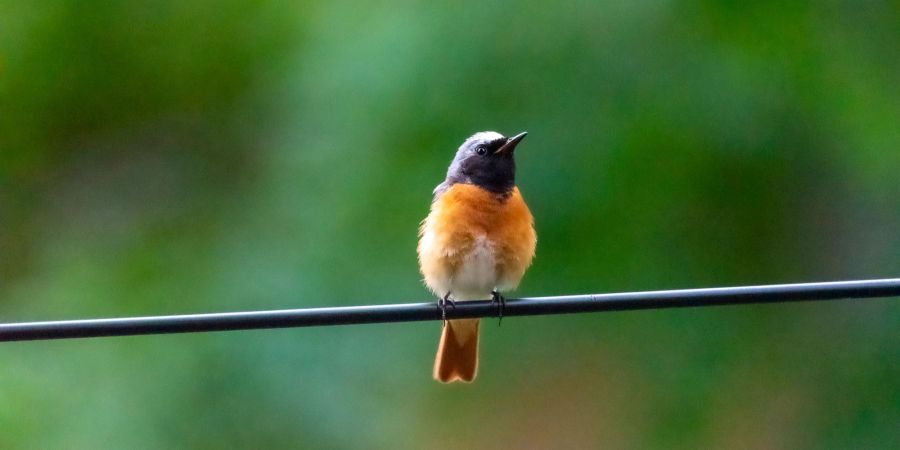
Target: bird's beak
511, 143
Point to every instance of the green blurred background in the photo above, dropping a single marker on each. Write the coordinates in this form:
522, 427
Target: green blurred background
179, 157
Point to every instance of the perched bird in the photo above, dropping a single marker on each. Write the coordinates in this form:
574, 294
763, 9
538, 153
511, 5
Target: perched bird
476, 242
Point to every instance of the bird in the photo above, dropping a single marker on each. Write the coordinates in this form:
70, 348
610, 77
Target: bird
476, 242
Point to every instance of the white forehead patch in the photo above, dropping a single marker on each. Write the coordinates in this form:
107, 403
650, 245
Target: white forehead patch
483, 136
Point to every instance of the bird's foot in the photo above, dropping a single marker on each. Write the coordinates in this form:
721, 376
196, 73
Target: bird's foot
497, 298
443, 302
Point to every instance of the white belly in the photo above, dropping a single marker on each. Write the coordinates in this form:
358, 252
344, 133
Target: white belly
477, 276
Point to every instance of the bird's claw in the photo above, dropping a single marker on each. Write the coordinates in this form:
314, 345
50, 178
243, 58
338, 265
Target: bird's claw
497, 298
442, 304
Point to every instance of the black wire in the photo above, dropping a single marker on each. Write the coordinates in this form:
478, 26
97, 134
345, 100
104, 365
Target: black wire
429, 311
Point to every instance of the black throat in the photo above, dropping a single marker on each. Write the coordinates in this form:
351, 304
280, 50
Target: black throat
496, 174
498, 185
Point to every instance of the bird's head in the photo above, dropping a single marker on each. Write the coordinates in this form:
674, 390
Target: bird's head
486, 160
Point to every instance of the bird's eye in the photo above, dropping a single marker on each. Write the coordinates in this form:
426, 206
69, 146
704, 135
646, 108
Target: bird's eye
480, 150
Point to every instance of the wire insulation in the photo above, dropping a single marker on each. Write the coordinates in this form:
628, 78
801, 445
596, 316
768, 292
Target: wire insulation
346, 315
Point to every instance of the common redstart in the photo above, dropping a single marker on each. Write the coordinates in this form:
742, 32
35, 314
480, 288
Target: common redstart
476, 242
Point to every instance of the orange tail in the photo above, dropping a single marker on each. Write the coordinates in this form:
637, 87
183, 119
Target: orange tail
457, 355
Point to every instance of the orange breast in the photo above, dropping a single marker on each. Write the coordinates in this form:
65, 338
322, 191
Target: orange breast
462, 217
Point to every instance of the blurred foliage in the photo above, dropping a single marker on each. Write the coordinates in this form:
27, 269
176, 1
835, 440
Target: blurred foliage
177, 157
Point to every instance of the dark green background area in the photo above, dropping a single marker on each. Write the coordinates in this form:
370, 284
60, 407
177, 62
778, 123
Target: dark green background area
180, 157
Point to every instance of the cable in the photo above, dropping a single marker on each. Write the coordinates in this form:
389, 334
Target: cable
346, 315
